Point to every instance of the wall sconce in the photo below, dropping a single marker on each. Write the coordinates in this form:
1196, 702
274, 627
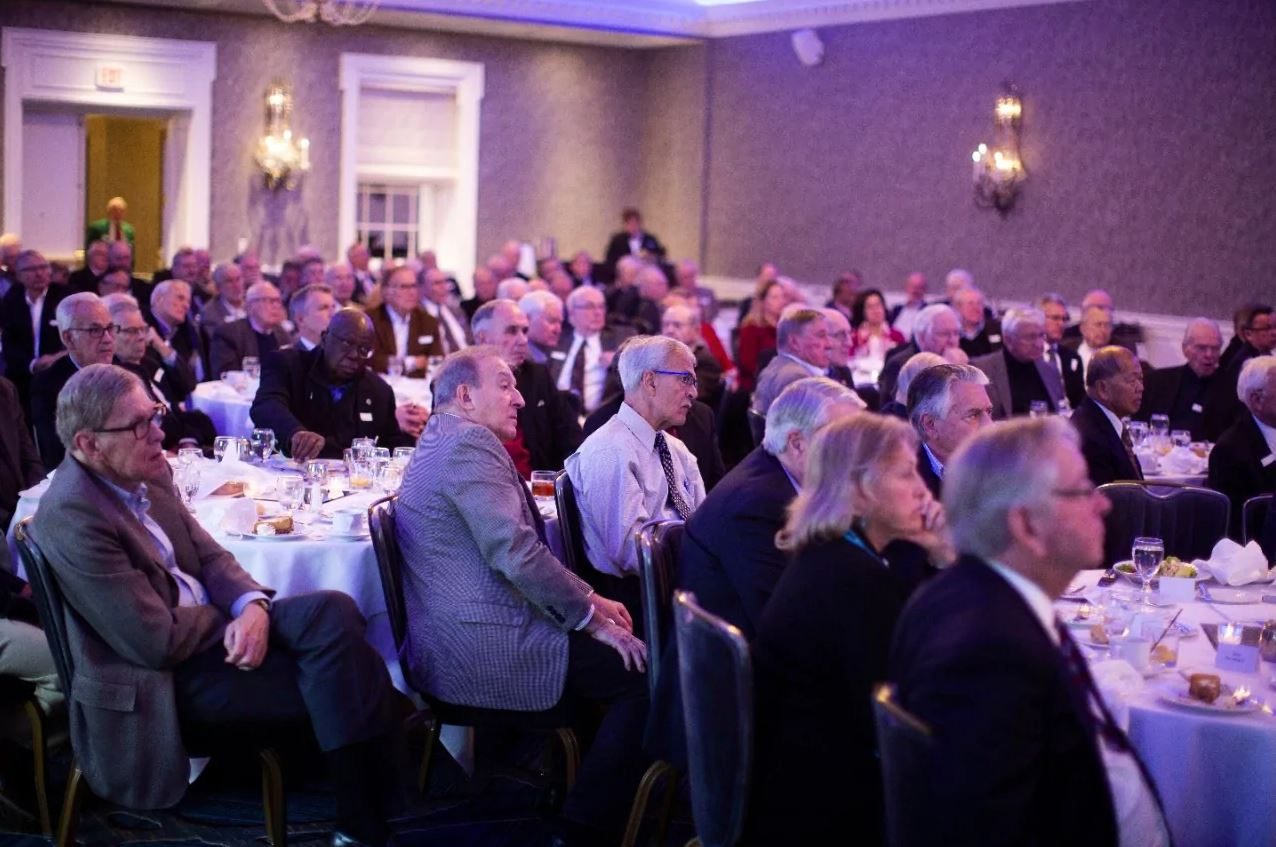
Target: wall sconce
999, 172
280, 158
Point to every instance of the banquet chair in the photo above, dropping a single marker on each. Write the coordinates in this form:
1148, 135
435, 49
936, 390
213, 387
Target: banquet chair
1254, 516
757, 426
16, 695
903, 743
659, 544
1190, 520
716, 674
554, 721
53, 612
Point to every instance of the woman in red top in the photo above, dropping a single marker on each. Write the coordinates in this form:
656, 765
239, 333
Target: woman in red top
757, 330
872, 337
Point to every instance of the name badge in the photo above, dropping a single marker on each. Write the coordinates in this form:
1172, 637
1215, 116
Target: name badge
366, 417
540, 403
1196, 407
425, 339
558, 355
53, 322
159, 376
1268, 459
994, 339
1076, 364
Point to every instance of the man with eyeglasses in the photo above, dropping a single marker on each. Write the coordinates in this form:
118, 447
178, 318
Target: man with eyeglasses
1059, 356
401, 328
587, 346
1256, 324
88, 334
318, 401
258, 335
630, 471
29, 329
803, 348
1182, 392
1018, 375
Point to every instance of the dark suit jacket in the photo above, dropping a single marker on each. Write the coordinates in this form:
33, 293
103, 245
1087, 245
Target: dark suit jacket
19, 342
126, 630
1101, 446
175, 381
186, 340
895, 360
46, 385
1073, 376
551, 431
1013, 735
618, 247
988, 340
295, 394
178, 425
20, 465
1222, 407
1160, 390
231, 342
82, 279
470, 306
927, 473
822, 646
1237, 469
423, 337
699, 433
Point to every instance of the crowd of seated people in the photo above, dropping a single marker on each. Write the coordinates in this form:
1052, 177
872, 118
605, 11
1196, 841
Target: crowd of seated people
878, 432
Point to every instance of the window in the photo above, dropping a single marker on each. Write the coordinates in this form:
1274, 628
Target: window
388, 220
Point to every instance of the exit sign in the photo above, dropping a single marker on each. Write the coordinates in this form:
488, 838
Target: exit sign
110, 77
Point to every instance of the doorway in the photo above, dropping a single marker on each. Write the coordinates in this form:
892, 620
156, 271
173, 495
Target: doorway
124, 157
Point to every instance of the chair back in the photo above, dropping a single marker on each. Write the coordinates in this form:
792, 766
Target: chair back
757, 426
659, 544
1254, 516
569, 526
1188, 519
716, 674
903, 744
48, 602
385, 543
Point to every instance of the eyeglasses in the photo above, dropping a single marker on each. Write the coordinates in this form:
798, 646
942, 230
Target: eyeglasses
685, 377
130, 331
95, 332
362, 350
140, 428
1080, 492
404, 286
30, 268
588, 307
278, 301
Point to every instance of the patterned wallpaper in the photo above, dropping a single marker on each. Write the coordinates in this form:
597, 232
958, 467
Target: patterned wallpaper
1148, 138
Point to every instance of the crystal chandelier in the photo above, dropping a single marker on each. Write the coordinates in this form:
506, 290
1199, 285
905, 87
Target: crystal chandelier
334, 12
999, 172
280, 158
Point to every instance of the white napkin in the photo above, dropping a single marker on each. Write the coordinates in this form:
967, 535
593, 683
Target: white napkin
1118, 683
1149, 461
239, 517
1231, 564
230, 469
1181, 460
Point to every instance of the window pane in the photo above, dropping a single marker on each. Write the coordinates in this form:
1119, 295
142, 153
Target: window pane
376, 207
376, 244
403, 211
399, 250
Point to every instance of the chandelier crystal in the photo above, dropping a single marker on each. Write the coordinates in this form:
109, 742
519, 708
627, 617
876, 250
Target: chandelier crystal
281, 158
334, 12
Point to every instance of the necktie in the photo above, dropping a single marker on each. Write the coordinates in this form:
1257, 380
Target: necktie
537, 519
578, 371
675, 494
1128, 444
1052, 380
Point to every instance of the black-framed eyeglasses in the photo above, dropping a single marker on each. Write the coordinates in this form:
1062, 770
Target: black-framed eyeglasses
363, 351
129, 331
687, 378
95, 332
1080, 492
140, 428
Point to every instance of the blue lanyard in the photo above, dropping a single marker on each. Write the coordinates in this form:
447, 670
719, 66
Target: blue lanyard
855, 538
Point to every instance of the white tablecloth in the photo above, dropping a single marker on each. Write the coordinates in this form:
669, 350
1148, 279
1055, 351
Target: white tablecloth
1216, 774
229, 408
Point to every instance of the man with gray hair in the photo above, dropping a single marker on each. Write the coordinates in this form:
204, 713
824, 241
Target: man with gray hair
588, 348
495, 621
980, 656
170, 314
1243, 462
1183, 392
802, 349
1017, 374
97, 261
228, 305
544, 312
947, 404
86, 330
1060, 357
1114, 381
256, 336
311, 308
980, 333
936, 329
681, 321
629, 472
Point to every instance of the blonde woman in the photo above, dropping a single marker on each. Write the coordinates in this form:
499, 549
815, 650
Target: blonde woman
859, 533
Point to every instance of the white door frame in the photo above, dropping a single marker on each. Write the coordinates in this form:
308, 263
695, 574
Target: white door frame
76, 70
457, 243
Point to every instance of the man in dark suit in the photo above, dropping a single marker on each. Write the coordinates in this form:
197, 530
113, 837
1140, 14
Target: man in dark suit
97, 261
544, 312
681, 320
89, 337
1018, 375
548, 430
318, 401
228, 305
588, 347
258, 335
401, 328
1243, 462
170, 314
947, 404
936, 329
1059, 357
1114, 381
1125, 335
170, 638
484, 290
980, 334
28, 305
979, 656
494, 620
1182, 392
20, 465
632, 241
1258, 338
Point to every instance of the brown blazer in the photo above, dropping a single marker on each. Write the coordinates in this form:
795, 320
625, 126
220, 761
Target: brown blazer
423, 337
126, 631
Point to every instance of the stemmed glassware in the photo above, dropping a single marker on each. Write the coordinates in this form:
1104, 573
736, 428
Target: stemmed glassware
263, 444
1147, 553
187, 479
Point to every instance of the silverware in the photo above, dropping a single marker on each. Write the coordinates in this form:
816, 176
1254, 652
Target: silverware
1107, 579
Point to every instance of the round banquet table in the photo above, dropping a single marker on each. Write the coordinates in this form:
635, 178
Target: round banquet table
229, 408
1216, 774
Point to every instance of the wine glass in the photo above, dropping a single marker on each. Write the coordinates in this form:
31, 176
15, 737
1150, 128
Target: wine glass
1181, 438
1147, 553
390, 477
402, 455
290, 489
394, 367
252, 367
222, 445
263, 444
188, 484
1138, 433
189, 456
1038, 409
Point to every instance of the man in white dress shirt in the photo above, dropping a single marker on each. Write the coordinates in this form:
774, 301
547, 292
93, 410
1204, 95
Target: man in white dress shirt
589, 348
311, 309
453, 325
630, 472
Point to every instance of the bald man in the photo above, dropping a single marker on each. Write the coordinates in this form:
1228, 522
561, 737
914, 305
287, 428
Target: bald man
1182, 392
256, 336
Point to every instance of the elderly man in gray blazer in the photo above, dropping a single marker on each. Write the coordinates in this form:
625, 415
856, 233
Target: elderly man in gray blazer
170, 639
1018, 376
257, 335
494, 619
803, 349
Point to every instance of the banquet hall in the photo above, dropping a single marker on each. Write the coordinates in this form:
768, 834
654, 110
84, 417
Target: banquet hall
708, 250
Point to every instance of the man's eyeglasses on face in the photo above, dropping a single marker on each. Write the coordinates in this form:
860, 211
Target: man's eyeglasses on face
1080, 492
404, 286
685, 377
129, 331
33, 268
278, 301
140, 428
95, 332
588, 307
363, 351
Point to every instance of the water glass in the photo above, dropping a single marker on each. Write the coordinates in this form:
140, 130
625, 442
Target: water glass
1138, 433
394, 367
317, 471
1181, 438
263, 444
363, 447
1147, 553
1038, 409
390, 477
1159, 425
188, 483
189, 456
290, 489
402, 455
224, 444
252, 367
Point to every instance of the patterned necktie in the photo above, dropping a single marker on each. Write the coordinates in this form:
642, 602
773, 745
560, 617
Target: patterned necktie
1128, 444
538, 520
675, 495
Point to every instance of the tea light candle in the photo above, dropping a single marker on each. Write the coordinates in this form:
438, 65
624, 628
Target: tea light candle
1230, 633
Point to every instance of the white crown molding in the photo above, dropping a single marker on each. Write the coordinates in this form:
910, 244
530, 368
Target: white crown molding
782, 15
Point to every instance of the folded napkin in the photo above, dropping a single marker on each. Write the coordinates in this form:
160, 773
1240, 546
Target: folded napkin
212, 475
1118, 682
1181, 460
1231, 564
1149, 461
239, 517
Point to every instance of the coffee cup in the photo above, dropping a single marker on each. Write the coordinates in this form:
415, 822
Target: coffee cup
347, 522
1135, 650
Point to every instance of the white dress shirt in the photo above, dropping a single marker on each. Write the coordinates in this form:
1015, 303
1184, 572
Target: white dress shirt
591, 348
37, 310
1139, 820
1085, 351
400, 324
904, 320
621, 486
454, 329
